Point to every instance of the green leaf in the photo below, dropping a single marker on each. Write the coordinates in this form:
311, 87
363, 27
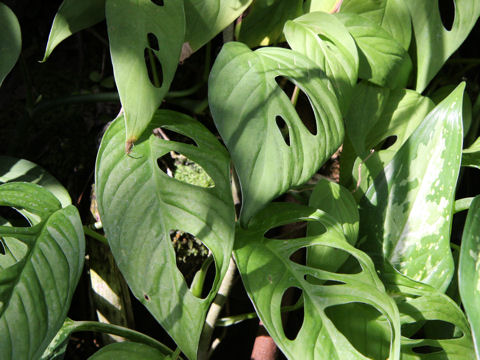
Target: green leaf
140, 205
128, 351
264, 23
326, 41
206, 18
471, 156
150, 27
71, 17
339, 203
407, 212
434, 43
469, 270
376, 115
383, 61
39, 271
10, 41
267, 273
246, 104
13, 169
320, 5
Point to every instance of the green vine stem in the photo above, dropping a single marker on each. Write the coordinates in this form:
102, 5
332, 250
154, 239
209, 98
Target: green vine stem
95, 235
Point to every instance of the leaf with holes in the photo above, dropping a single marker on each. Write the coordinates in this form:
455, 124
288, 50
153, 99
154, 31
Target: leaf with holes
407, 212
13, 169
434, 43
377, 115
141, 206
326, 41
39, 270
10, 41
206, 18
339, 203
248, 108
71, 17
145, 52
267, 272
469, 270
264, 23
382, 60
129, 351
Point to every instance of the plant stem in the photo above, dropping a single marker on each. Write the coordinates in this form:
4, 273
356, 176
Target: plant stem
214, 312
95, 235
75, 99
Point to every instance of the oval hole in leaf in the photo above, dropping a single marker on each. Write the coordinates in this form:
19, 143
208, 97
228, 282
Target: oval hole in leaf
292, 321
154, 68
388, 142
299, 256
447, 13
328, 259
190, 254
14, 216
153, 41
434, 330
287, 231
283, 127
315, 281
170, 135
356, 331
2, 247
427, 349
183, 169
158, 2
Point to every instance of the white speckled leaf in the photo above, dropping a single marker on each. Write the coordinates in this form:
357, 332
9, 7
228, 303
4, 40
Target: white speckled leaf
406, 213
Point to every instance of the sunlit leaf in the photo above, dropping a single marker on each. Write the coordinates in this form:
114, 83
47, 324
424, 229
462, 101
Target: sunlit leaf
247, 104
10, 41
140, 205
38, 272
267, 273
140, 32
71, 17
469, 270
407, 211
434, 43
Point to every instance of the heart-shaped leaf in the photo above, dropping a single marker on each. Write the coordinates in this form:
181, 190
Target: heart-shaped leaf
267, 272
145, 44
140, 206
469, 270
326, 41
247, 104
39, 270
71, 17
10, 41
434, 43
206, 18
264, 23
407, 212
129, 351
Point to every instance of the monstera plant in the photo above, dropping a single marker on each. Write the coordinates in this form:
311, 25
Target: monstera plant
367, 252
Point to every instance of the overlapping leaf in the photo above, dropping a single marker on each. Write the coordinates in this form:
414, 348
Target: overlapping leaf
140, 205
39, 270
206, 18
246, 101
264, 22
10, 40
71, 17
129, 351
134, 28
326, 41
434, 43
471, 155
407, 212
469, 270
267, 272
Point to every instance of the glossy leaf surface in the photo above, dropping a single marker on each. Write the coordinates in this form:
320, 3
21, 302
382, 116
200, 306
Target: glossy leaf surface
73, 16
128, 351
10, 41
407, 212
267, 273
134, 28
264, 23
434, 43
38, 272
206, 18
246, 102
140, 205
383, 61
469, 270
326, 41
